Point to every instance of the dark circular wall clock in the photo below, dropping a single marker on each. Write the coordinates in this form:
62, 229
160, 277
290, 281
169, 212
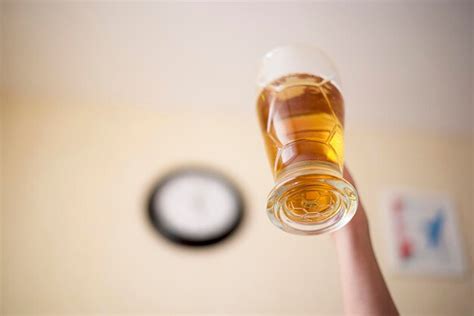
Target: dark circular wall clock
195, 206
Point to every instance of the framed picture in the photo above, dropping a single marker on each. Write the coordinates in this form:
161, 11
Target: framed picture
423, 234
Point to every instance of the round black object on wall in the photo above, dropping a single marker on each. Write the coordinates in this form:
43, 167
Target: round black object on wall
195, 206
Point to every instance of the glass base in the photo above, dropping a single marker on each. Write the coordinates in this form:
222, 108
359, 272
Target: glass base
311, 198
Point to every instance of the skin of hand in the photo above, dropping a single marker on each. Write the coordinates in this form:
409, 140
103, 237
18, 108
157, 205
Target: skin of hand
359, 224
363, 286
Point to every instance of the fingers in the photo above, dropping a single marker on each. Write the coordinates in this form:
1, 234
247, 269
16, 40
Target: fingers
347, 175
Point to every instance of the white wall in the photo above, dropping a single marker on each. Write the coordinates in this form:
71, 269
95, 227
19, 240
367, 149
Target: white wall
100, 99
402, 65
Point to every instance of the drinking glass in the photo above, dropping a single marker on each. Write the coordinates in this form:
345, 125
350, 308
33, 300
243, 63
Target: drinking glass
300, 108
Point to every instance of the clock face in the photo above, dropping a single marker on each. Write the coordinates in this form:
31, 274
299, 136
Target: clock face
195, 207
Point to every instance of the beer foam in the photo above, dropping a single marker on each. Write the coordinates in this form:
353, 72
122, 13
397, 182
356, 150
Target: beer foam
296, 59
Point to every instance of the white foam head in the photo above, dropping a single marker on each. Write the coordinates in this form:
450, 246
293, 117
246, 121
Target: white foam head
292, 59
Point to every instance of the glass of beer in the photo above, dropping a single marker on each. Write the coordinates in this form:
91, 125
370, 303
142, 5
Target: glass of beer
301, 113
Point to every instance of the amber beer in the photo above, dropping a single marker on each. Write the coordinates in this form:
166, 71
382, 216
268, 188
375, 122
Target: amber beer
301, 116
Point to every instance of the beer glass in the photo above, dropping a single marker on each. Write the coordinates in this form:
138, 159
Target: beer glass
301, 113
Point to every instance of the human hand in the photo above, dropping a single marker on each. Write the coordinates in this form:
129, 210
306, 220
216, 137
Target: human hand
364, 289
359, 225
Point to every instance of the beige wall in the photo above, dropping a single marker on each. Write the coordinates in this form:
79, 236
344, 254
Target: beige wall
1, 150
99, 99
76, 240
